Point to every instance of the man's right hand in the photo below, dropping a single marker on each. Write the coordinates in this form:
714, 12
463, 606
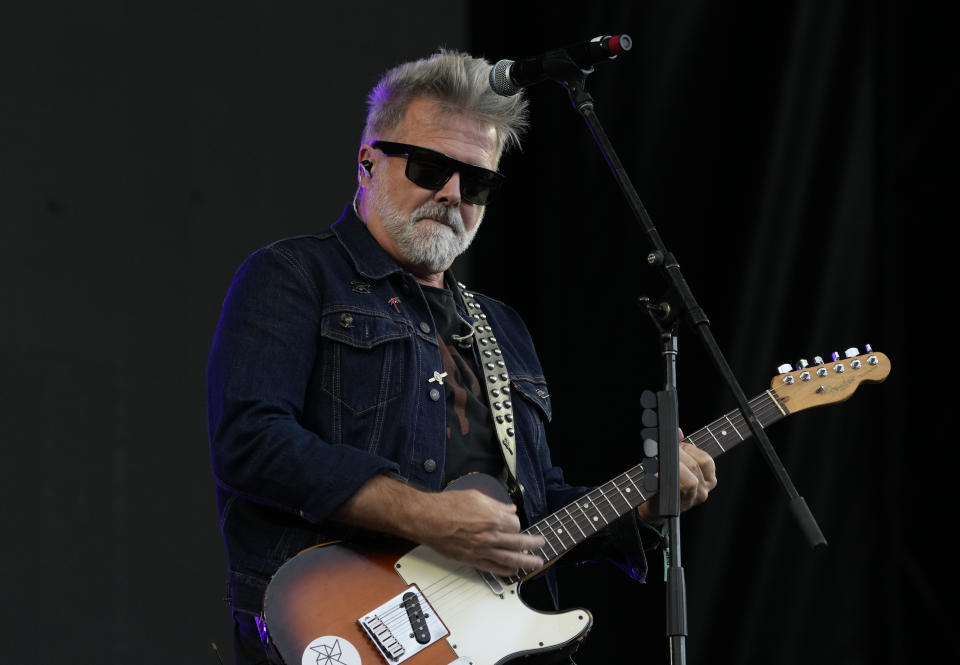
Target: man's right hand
463, 525
482, 532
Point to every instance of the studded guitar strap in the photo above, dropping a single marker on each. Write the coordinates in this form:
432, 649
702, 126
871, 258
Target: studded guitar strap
496, 378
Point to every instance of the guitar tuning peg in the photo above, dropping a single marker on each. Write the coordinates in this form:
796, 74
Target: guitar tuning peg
851, 352
835, 356
784, 368
817, 360
867, 348
802, 364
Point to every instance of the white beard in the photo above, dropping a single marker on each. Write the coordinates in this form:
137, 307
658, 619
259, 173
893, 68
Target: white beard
432, 247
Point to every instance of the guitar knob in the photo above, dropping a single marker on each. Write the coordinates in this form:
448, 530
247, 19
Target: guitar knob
851, 352
817, 360
802, 363
784, 368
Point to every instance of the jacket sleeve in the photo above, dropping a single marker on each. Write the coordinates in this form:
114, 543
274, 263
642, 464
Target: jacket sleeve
261, 359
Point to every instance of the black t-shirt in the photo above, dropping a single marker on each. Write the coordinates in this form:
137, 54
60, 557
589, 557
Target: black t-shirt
471, 439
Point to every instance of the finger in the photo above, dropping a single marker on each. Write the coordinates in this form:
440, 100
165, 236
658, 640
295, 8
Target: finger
693, 488
706, 464
495, 568
507, 522
690, 480
689, 462
518, 542
496, 503
507, 562
506, 518
689, 484
699, 453
648, 511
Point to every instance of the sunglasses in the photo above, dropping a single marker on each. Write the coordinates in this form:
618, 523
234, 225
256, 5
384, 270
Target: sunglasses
431, 170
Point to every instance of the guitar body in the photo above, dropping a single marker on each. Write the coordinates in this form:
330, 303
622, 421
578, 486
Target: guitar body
343, 604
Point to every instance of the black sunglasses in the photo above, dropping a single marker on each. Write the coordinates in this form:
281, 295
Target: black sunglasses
431, 170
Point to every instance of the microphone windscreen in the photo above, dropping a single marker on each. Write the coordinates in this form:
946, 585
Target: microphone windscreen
500, 79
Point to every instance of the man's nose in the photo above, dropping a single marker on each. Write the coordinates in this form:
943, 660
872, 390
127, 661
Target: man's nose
450, 192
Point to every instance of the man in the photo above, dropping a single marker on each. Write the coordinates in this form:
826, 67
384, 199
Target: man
345, 378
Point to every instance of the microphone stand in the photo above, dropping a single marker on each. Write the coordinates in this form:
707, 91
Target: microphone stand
679, 301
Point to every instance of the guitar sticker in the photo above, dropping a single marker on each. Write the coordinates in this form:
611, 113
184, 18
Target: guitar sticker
330, 650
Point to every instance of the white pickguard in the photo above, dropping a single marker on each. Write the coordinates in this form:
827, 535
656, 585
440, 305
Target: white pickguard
486, 628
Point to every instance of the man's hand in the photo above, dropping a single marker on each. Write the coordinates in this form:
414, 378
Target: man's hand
463, 525
471, 527
698, 476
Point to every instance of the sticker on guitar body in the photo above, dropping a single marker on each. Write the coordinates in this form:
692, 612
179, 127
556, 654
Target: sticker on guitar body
330, 650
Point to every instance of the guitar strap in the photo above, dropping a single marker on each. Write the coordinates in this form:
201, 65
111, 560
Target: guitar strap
496, 378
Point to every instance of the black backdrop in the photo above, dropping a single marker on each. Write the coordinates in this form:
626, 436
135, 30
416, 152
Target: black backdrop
797, 157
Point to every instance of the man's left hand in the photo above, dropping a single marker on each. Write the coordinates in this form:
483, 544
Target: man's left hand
698, 476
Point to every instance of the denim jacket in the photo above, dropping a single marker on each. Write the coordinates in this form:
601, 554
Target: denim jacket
318, 380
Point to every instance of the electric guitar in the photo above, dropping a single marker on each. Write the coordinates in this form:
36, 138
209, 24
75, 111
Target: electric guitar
347, 604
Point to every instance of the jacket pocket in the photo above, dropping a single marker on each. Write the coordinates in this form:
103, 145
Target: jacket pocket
535, 392
362, 357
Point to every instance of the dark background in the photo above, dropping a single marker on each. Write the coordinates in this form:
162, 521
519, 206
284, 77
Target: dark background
797, 157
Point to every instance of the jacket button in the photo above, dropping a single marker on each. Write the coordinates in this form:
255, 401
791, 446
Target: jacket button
424, 326
434, 394
430, 466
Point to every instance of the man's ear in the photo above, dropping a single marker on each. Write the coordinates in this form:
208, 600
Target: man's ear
365, 160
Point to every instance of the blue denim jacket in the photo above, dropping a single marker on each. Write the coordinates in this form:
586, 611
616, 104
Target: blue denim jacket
318, 381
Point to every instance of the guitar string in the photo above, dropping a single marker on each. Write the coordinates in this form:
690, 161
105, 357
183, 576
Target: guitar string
442, 594
768, 407
702, 439
763, 406
441, 598
767, 404
442, 590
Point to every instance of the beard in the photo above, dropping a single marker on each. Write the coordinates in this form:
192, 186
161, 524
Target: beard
431, 247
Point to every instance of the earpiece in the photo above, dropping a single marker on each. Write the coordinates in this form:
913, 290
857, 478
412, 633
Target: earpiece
366, 166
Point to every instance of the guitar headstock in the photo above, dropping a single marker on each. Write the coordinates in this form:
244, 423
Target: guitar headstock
808, 386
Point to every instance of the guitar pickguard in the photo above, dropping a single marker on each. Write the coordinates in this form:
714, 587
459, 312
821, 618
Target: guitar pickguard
487, 627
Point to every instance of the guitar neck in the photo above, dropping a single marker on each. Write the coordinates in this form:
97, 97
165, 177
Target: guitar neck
579, 520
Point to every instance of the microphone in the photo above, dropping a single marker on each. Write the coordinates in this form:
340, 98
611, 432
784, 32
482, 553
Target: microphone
509, 77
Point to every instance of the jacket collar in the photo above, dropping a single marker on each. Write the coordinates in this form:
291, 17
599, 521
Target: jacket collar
369, 258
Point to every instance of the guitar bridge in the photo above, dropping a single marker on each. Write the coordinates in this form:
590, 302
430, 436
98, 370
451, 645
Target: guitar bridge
403, 626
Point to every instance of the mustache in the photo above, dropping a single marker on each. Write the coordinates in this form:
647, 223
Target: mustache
444, 214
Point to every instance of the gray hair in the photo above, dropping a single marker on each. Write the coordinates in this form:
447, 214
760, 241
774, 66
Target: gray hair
457, 81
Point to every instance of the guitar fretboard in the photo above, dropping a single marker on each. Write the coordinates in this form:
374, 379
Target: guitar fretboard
579, 520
